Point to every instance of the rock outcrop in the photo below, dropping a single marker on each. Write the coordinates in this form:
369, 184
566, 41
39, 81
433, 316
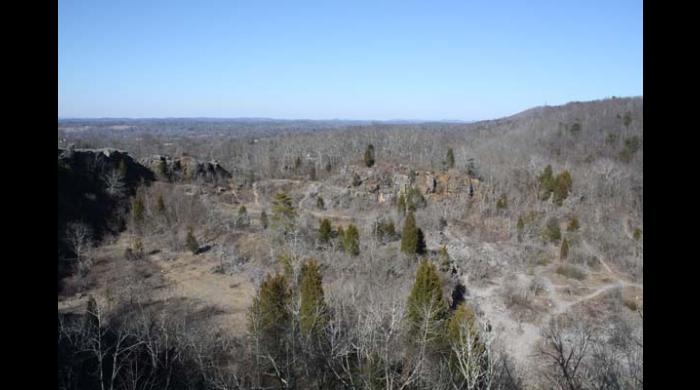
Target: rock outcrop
187, 168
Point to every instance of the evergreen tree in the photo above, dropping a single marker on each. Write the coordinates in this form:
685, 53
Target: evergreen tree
320, 204
242, 219
562, 187
520, 225
269, 315
160, 204
138, 211
409, 236
502, 202
573, 224
468, 359
351, 243
420, 242
325, 230
369, 155
191, 242
546, 180
283, 212
313, 310
564, 252
401, 204
163, 168
426, 306
450, 158
263, 219
552, 231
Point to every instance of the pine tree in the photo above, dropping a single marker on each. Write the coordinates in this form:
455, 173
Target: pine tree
468, 359
564, 252
562, 187
401, 204
426, 306
573, 224
502, 202
520, 225
269, 315
351, 242
420, 242
191, 242
325, 230
320, 204
546, 180
409, 236
369, 155
450, 158
137, 211
552, 231
283, 212
263, 219
163, 168
160, 204
313, 310
242, 219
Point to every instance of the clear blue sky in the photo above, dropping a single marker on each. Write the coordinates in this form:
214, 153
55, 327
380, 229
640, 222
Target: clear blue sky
348, 59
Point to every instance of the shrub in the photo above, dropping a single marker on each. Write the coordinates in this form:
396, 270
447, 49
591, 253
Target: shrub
552, 231
573, 224
356, 180
502, 202
575, 128
637, 234
562, 187
632, 145
571, 272
324, 231
546, 180
191, 242
351, 241
385, 230
283, 212
630, 304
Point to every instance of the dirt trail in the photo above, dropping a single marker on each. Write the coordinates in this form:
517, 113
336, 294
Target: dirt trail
520, 338
611, 273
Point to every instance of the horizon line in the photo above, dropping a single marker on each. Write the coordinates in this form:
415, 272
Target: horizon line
341, 119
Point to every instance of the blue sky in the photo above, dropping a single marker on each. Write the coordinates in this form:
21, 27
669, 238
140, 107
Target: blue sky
380, 60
